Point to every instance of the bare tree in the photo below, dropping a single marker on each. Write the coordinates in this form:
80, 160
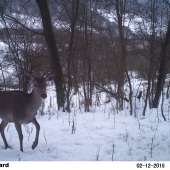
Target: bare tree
162, 66
53, 51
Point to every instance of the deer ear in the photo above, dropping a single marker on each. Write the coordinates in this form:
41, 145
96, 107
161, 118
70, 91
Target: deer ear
28, 76
49, 77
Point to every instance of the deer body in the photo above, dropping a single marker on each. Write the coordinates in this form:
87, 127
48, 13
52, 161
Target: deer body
21, 108
18, 105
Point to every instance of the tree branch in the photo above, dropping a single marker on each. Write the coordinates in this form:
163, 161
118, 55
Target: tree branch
168, 2
8, 17
113, 94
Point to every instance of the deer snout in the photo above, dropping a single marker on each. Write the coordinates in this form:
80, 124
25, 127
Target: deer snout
44, 96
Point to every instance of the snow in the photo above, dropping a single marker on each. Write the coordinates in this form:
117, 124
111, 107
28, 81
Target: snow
95, 135
98, 135
3, 47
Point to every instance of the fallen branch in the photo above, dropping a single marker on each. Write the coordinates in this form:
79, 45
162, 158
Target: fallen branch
113, 94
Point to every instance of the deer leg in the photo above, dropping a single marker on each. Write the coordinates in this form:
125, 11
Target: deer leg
35, 143
2, 127
19, 130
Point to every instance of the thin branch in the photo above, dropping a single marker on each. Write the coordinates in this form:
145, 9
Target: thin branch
168, 3
44, 136
8, 17
113, 94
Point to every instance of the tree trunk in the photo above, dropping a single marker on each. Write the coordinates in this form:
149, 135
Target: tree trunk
147, 95
122, 54
162, 68
85, 81
73, 21
152, 48
53, 51
130, 93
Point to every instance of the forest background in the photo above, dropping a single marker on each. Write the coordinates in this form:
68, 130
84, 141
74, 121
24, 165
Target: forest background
88, 44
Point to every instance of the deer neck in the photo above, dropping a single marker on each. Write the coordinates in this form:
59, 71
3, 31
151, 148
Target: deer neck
34, 102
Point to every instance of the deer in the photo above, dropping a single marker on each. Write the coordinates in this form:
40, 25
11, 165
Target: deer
21, 108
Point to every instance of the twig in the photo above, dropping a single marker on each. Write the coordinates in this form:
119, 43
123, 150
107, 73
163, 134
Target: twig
114, 110
153, 140
158, 116
168, 112
126, 134
113, 146
139, 124
57, 115
162, 112
8, 126
145, 158
19, 157
49, 117
130, 148
30, 133
11, 134
44, 136
97, 153
27, 129
73, 127
69, 118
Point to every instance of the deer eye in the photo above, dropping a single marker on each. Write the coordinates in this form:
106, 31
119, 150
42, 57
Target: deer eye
35, 85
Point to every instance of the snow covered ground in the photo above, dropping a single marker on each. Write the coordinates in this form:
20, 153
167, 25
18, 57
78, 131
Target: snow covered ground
99, 135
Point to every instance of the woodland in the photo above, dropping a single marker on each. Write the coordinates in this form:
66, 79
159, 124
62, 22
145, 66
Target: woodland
92, 44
